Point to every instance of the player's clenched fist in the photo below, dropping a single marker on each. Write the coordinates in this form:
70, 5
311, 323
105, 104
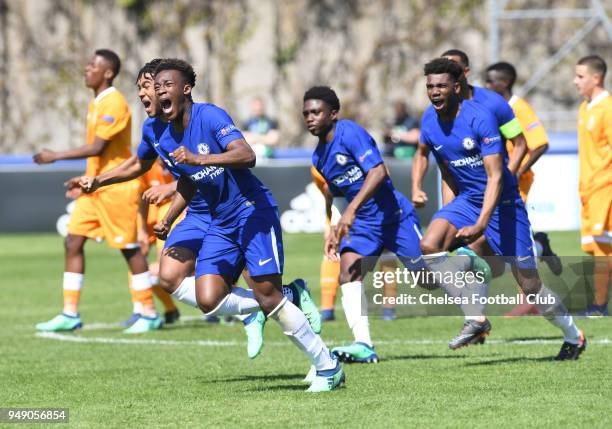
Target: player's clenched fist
470, 233
159, 193
161, 229
88, 184
419, 198
183, 156
45, 156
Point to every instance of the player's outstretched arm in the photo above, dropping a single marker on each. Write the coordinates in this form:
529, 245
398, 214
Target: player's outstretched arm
494, 167
238, 154
420, 163
129, 169
518, 153
47, 156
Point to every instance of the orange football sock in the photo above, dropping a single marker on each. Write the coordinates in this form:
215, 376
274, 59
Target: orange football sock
601, 272
142, 292
164, 297
330, 280
389, 288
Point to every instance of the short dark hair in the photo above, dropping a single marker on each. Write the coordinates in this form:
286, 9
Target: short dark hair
457, 53
112, 58
324, 93
595, 64
442, 66
506, 69
148, 68
179, 65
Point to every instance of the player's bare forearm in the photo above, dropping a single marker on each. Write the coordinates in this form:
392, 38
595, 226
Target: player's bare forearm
328, 205
420, 163
493, 166
143, 212
238, 155
449, 187
180, 201
185, 188
159, 193
518, 153
533, 157
129, 169
47, 156
372, 182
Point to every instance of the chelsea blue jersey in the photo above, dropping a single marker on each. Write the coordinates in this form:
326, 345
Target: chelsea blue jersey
460, 145
210, 130
150, 135
345, 162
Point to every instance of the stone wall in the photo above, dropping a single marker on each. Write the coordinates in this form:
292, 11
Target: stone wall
370, 51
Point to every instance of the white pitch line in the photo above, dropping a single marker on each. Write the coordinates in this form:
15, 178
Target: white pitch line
78, 339
209, 343
105, 326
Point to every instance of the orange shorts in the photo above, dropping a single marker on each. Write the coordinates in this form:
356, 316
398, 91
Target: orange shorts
524, 184
596, 218
157, 213
110, 214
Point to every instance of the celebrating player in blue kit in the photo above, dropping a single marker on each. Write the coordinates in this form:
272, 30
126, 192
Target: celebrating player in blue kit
465, 140
377, 217
184, 244
200, 143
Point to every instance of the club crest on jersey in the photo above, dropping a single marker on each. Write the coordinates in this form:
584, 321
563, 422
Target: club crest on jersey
203, 149
341, 159
468, 143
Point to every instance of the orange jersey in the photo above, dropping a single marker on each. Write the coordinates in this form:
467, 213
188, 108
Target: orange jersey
595, 144
533, 130
109, 118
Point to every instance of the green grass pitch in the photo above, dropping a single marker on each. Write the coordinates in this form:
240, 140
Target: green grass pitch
197, 375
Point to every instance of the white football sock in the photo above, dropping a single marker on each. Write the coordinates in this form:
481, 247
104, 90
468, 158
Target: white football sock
137, 307
141, 281
474, 310
238, 301
355, 305
296, 327
558, 315
185, 292
447, 267
242, 317
72, 281
538, 248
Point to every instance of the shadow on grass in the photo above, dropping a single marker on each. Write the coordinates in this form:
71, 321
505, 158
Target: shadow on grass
266, 388
534, 338
243, 378
422, 357
521, 359
267, 382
